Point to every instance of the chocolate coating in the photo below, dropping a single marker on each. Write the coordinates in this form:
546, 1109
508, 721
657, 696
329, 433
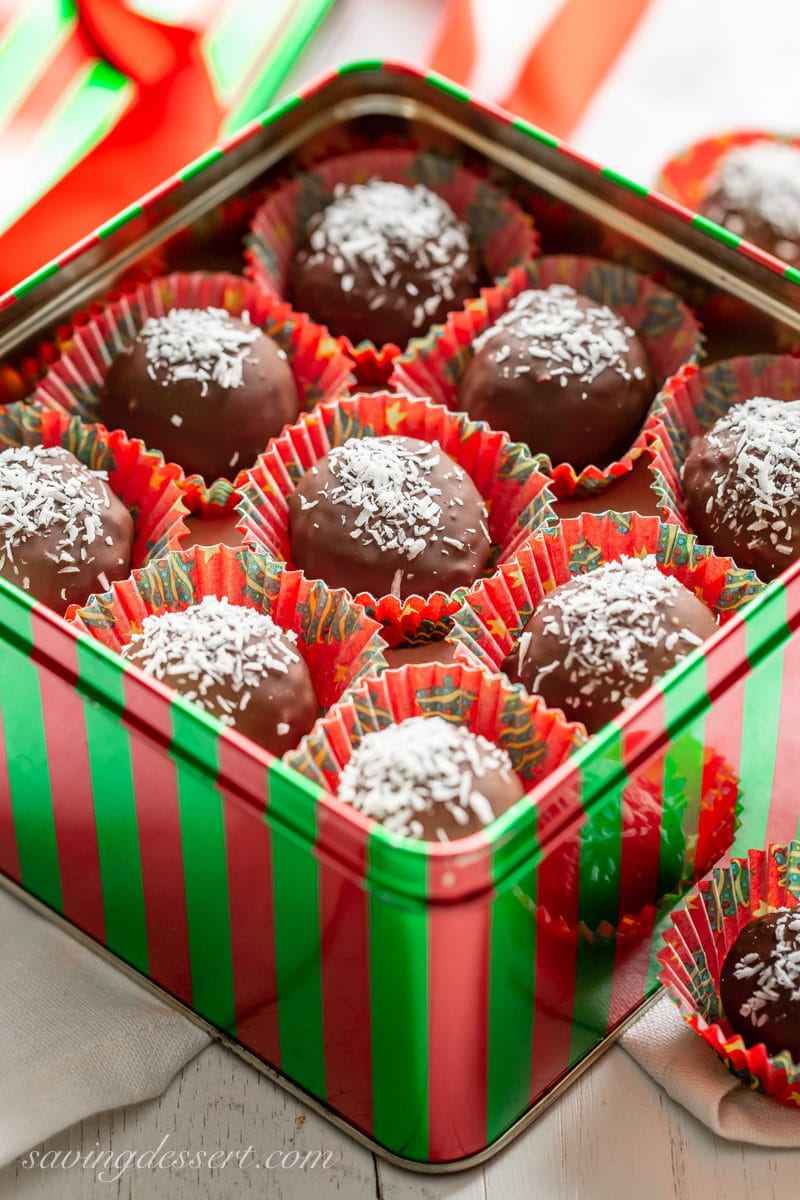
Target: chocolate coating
597, 642
760, 979
430, 780
235, 663
741, 483
389, 516
63, 532
563, 374
384, 262
205, 388
756, 194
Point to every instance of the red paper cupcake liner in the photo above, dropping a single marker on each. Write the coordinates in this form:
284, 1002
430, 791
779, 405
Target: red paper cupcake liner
517, 495
537, 739
434, 365
686, 176
503, 232
703, 931
338, 641
150, 488
693, 399
74, 381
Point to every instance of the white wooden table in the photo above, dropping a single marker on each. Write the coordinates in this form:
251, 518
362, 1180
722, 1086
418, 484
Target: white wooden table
613, 1136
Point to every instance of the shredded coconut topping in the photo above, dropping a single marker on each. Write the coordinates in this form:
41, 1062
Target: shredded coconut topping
763, 178
780, 973
613, 615
204, 344
388, 227
388, 484
764, 476
40, 494
548, 324
213, 645
410, 768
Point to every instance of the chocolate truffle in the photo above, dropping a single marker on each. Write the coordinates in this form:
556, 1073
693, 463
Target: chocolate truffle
562, 373
597, 642
760, 982
741, 482
63, 532
205, 388
384, 262
235, 663
390, 516
428, 779
756, 194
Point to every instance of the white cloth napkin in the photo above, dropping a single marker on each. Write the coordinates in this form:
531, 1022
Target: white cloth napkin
76, 1035
688, 1070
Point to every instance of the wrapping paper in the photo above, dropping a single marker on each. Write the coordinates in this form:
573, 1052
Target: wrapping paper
702, 933
338, 642
87, 347
149, 487
503, 233
504, 473
434, 365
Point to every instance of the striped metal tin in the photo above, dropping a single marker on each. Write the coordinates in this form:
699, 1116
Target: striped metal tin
431, 997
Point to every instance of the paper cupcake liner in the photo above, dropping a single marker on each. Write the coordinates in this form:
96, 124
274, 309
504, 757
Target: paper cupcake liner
73, 383
537, 739
434, 365
517, 495
503, 232
150, 488
496, 610
338, 641
693, 399
703, 931
686, 176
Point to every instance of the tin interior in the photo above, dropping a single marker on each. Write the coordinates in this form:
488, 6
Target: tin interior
586, 985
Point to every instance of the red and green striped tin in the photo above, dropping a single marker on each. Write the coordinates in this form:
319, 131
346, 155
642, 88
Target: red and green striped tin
423, 993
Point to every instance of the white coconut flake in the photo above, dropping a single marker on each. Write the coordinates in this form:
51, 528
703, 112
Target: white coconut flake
40, 494
389, 228
549, 326
203, 344
399, 772
777, 975
614, 615
763, 179
213, 645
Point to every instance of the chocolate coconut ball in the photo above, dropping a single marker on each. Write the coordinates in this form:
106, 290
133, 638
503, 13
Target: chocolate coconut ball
428, 779
741, 482
384, 262
756, 194
205, 388
760, 982
235, 663
563, 374
390, 516
63, 532
597, 642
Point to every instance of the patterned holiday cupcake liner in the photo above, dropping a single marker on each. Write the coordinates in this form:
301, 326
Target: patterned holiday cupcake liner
503, 232
693, 399
537, 739
516, 493
496, 610
702, 932
687, 176
150, 489
338, 641
435, 365
87, 347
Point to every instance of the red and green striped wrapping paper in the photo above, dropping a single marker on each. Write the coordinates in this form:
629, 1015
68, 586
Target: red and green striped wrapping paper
100, 100
427, 995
